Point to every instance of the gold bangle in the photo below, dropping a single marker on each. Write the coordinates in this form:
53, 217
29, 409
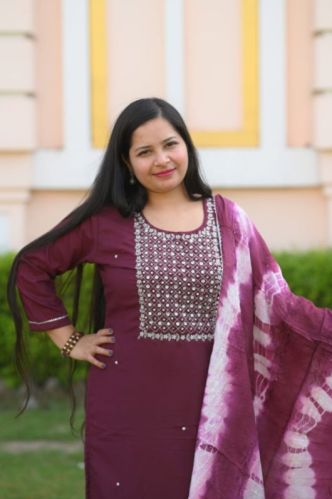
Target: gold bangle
70, 343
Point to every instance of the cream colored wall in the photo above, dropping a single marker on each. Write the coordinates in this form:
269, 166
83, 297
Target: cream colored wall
300, 61
288, 219
213, 69
293, 219
17, 117
138, 69
322, 100
17, 77
49, 73
46, 208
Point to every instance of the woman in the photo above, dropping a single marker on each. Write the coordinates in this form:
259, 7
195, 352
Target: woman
193, 389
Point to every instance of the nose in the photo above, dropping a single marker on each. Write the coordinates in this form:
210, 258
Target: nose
161, 158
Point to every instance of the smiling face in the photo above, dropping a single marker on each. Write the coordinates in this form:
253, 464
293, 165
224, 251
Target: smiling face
158, 156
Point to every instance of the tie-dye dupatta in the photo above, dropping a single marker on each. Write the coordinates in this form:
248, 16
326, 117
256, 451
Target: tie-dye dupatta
266, 422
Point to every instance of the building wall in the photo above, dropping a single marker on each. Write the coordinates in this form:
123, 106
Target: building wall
251, 78
297, 216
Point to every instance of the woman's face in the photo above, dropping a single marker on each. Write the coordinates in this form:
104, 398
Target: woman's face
158, 156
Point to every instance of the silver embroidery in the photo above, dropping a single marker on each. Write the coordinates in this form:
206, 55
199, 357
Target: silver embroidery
49, 320
178, 280
178, 337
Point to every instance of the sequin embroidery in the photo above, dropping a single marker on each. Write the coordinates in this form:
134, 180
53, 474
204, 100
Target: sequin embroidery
178, 280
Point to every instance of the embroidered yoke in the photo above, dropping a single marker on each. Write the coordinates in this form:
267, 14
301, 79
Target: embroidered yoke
178, 279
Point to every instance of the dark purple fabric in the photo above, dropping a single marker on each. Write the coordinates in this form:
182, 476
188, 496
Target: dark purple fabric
142, 411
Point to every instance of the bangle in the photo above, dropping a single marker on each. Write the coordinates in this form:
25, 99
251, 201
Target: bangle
70, 343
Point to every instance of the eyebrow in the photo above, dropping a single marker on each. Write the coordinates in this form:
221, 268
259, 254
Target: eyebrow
139, 148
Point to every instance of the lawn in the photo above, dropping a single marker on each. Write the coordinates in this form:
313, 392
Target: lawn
42, 473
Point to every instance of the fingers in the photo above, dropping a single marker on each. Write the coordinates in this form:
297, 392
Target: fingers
99, 351
96, 362
105, 339
104, 336
107, 331
104, 351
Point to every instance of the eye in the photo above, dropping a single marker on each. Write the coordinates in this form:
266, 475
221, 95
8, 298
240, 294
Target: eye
143, 153
172, 143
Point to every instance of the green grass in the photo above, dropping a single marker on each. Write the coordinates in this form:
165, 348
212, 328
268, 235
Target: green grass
39, 424
40, 474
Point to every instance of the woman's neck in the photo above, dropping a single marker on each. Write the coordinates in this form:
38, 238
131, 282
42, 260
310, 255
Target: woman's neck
165, 200
174, 211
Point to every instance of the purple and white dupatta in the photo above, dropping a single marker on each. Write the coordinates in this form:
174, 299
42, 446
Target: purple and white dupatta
266, 422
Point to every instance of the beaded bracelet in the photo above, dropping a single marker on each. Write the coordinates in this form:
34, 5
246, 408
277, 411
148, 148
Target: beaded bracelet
70, 343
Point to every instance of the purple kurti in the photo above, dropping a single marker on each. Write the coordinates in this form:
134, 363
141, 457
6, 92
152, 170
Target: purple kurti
161, 293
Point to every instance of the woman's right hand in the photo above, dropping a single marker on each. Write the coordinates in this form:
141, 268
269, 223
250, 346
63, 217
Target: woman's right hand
90, 345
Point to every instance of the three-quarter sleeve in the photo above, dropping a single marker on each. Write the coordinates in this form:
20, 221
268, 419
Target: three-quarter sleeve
37, 270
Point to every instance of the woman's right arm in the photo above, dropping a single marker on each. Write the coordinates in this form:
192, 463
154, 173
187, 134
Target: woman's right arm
36, 283
38, 268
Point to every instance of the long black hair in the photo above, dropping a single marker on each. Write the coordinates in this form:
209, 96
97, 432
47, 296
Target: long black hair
111, 187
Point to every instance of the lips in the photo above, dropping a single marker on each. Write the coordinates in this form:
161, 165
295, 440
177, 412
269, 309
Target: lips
165, 173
